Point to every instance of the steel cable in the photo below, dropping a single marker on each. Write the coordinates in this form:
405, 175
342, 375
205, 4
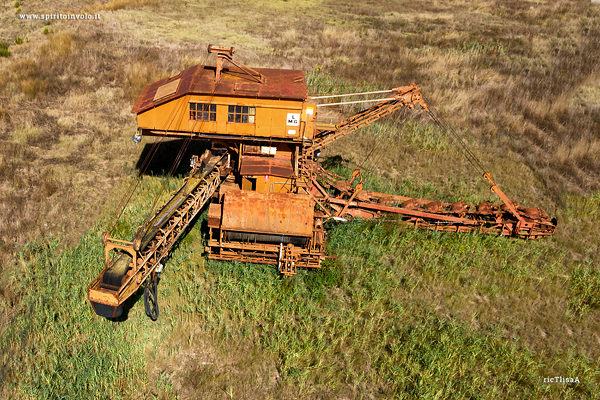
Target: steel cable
467, 153
147, 160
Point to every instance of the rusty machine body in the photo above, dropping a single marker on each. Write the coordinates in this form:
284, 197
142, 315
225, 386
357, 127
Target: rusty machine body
267, 196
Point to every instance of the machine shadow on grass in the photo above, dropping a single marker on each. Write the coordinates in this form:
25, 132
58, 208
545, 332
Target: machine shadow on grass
334, 162
128, 305
132, 301
158, 158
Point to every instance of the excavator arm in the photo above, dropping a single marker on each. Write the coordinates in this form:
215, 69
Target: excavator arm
340, 200
404, 96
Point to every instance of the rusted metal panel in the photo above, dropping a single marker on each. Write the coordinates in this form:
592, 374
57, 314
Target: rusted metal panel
214, 215
268, 212
166, 90
253, 166
247, 88
282, 84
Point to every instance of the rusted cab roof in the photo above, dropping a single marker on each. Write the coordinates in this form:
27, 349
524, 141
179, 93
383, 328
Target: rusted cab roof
283, 84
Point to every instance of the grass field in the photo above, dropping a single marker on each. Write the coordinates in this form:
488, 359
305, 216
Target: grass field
400, 313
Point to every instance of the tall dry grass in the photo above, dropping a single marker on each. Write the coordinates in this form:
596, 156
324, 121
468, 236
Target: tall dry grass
513, 83
63, 130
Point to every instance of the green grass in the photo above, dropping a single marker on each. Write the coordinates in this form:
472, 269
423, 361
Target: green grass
4, 52
585, 287
368, 324
365, 322
54, 346
322, 83
406, 140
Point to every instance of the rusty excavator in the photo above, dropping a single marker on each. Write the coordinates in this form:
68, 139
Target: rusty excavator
267, 196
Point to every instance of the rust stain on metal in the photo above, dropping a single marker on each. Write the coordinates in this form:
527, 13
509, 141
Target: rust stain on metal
268, 212
485, 207
246, 88
459, 207
411, 204
405, 211
433, 206
214, 215
253, 165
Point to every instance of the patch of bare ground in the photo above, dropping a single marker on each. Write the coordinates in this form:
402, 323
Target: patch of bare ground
198, 365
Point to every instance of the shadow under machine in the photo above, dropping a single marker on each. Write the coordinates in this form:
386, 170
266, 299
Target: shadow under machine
267, 196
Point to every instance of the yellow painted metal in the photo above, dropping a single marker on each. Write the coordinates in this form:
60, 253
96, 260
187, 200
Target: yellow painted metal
273, 118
